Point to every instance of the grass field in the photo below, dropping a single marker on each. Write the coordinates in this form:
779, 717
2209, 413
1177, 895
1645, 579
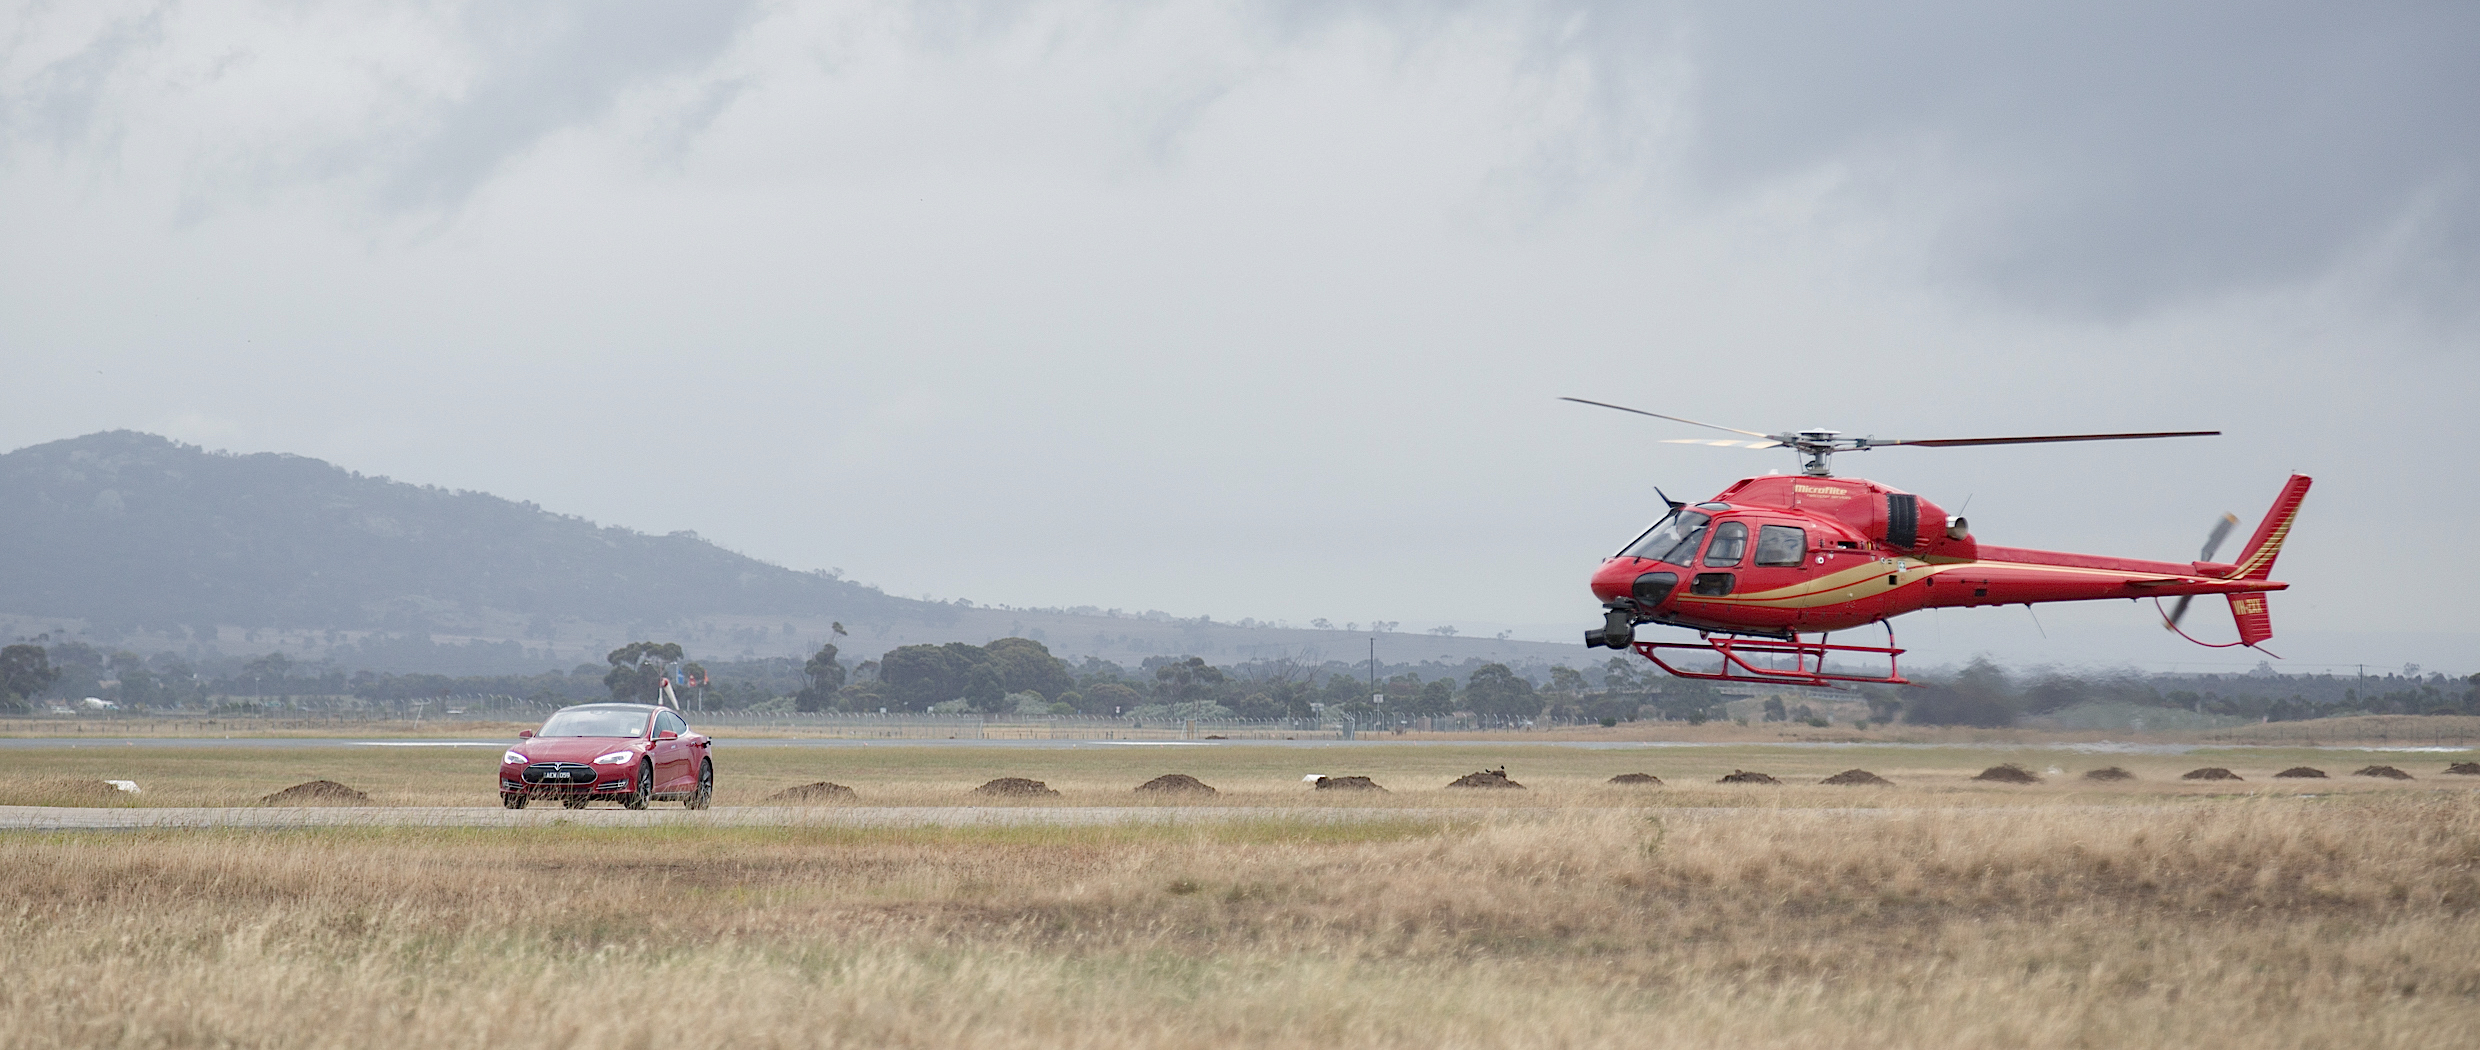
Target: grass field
2261, 922
1941, 912
1246, 774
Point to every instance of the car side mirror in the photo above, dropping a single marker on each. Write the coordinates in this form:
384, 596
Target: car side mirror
525, 734
667, 735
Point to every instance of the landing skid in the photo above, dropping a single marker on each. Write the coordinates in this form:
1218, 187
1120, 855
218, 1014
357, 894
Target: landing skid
1808, 660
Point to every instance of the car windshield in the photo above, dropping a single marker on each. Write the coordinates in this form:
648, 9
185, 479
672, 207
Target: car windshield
596, 721
1675, 528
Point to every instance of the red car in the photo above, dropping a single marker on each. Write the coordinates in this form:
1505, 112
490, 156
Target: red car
632, 754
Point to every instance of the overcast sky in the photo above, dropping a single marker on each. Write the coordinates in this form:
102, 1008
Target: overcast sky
1261, 310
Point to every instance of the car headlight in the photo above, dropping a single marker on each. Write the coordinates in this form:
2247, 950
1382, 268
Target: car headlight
512, 759
616, 758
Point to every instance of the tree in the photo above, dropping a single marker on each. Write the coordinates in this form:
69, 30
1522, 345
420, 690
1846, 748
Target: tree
25, 672
265, 675
984, 689
1567, 681
1027, 666
1979, 696
78, 669
636, 674
1110, 698
918, 676
1436, 698
824, 677
1181, 681
1496, 691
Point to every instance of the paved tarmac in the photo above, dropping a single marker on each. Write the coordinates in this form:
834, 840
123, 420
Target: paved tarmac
68, 818
2099, 747
71, 818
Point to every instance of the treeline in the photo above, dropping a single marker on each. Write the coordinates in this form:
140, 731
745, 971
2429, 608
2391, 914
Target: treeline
32, 672
1984, 694
1017, 676
1021, 677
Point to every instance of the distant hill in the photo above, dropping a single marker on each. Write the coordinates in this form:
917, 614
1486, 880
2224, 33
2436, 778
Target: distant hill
136, 532
135, 540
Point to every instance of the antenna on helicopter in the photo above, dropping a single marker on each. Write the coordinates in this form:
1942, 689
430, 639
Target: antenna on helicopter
1817, 447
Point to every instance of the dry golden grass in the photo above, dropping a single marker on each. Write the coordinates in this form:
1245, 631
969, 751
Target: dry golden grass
1247, 775
2266, 922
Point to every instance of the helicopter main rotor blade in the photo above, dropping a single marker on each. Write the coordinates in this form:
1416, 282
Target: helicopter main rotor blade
2044, 439
1674, 419
1723, 444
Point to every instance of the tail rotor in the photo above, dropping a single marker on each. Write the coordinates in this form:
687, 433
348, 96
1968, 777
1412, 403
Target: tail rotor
2212, 543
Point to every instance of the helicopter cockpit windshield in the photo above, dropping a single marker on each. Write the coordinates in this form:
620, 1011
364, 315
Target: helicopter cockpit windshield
1677, 533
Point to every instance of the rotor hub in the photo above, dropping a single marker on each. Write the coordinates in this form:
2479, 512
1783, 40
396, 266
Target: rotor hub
1816, 448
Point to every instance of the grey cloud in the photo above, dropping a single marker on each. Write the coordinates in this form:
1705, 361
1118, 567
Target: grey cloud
63, 102
2150, 152
547, 67
2105, 159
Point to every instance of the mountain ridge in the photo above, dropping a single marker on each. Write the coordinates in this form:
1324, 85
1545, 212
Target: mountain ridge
150, 543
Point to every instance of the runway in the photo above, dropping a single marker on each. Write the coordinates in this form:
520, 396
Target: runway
278, 818
70, 818
43, 743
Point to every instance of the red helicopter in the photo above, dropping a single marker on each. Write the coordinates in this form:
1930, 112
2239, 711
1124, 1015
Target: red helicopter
1772, 558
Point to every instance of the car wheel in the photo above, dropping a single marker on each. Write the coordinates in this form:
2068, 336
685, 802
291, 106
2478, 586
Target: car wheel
706, 785
512, 801
643, 792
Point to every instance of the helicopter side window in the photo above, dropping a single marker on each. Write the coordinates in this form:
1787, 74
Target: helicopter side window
1666, 536
1730, 543
1781, 544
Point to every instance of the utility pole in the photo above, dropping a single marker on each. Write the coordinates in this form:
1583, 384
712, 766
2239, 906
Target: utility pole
1375, 697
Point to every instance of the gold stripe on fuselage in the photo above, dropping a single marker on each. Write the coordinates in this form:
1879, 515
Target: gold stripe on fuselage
1852, 584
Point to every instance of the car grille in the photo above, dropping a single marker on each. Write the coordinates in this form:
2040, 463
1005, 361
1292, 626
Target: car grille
577, 774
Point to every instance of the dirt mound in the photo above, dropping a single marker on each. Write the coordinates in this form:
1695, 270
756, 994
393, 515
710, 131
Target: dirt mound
2210, 773
2466, 769
2009, 773
1487, 778
1637, 778
1347, 784
2300, 773
1016, 787
317, 793
812, 794
2388, 772
2108, 773
1177, 784
1858, 778
1742, 776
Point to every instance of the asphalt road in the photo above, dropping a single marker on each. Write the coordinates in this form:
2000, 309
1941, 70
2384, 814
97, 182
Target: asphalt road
53, 742
68, 818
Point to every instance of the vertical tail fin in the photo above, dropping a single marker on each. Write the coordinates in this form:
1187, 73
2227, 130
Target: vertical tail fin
2256, 562
2255, 623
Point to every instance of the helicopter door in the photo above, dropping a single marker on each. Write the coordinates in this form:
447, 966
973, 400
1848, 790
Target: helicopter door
1725, 551
1778, 560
